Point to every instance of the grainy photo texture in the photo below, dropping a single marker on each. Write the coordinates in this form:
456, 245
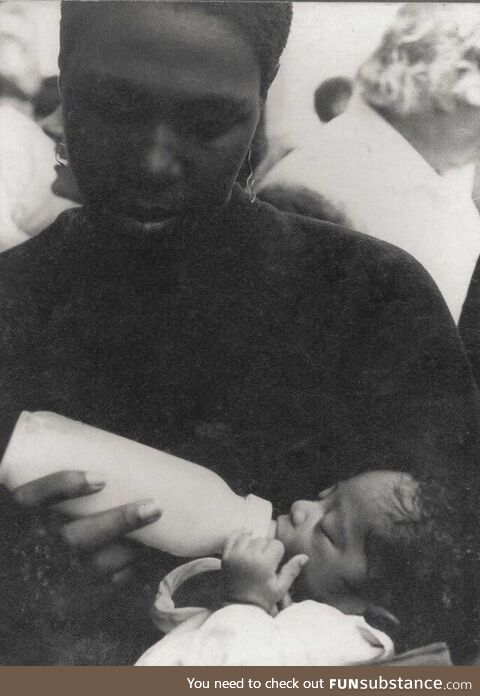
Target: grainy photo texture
239, 333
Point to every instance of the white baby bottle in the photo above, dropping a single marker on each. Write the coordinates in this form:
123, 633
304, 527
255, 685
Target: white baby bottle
199, 510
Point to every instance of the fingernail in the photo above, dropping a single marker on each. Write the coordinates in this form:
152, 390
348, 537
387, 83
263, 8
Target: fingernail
94, 480
304, 560
148, 511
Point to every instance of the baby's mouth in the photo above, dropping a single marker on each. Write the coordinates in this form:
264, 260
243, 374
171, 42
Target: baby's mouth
284, 529
296, 517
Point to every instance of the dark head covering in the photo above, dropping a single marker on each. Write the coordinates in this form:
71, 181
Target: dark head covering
265, 25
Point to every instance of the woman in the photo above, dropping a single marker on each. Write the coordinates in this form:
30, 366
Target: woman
176, 310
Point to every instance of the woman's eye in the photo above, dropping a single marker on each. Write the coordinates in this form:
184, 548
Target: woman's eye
208, 127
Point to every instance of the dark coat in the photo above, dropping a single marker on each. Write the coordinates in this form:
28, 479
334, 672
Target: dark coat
282, 352
469, 324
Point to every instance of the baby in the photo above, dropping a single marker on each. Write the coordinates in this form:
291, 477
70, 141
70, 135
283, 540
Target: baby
378, 549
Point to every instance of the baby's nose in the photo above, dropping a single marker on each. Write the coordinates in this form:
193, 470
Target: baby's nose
300, 511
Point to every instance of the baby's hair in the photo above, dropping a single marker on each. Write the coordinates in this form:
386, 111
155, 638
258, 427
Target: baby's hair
424, 568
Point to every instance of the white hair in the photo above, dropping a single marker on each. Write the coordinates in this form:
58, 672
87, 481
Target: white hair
429, 57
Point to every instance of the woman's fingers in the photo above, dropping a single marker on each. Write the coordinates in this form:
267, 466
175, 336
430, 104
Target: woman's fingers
103, 527
114, 558
57, 487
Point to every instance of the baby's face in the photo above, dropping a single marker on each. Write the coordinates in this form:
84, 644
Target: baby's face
332, 530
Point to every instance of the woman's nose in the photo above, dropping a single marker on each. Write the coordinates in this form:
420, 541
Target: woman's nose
163, 156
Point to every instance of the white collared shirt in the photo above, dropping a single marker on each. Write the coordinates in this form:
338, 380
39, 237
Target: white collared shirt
383, 187
27, 160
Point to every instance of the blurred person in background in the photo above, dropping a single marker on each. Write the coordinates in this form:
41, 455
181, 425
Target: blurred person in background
331, 97
177, 310
329, 100
399, 163
476, 186
19, 70
47, 99
27, 155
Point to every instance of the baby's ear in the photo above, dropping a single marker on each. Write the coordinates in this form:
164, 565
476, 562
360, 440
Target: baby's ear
375, 615
352, 604
382, 619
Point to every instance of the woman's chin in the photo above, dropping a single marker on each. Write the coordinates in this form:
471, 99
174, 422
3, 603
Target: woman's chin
148, 214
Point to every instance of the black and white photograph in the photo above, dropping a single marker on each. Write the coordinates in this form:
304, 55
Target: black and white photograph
239, 333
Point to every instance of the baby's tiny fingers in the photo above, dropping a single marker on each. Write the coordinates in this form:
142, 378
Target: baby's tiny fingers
244, 542
275, 550
259, 544
231, 542
290, 572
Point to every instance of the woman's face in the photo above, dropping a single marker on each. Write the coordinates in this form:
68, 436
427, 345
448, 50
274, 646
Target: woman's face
160, 106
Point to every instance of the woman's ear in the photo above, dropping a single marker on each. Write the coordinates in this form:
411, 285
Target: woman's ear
275, 72
264, 90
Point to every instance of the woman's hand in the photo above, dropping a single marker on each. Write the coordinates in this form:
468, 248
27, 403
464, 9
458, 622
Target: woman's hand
98, 535
250, 571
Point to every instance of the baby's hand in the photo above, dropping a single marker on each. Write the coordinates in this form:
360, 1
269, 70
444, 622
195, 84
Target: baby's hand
249, 571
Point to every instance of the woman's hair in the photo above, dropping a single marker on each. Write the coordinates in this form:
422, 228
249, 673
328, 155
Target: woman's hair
429, 57
424, 569
265, 25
